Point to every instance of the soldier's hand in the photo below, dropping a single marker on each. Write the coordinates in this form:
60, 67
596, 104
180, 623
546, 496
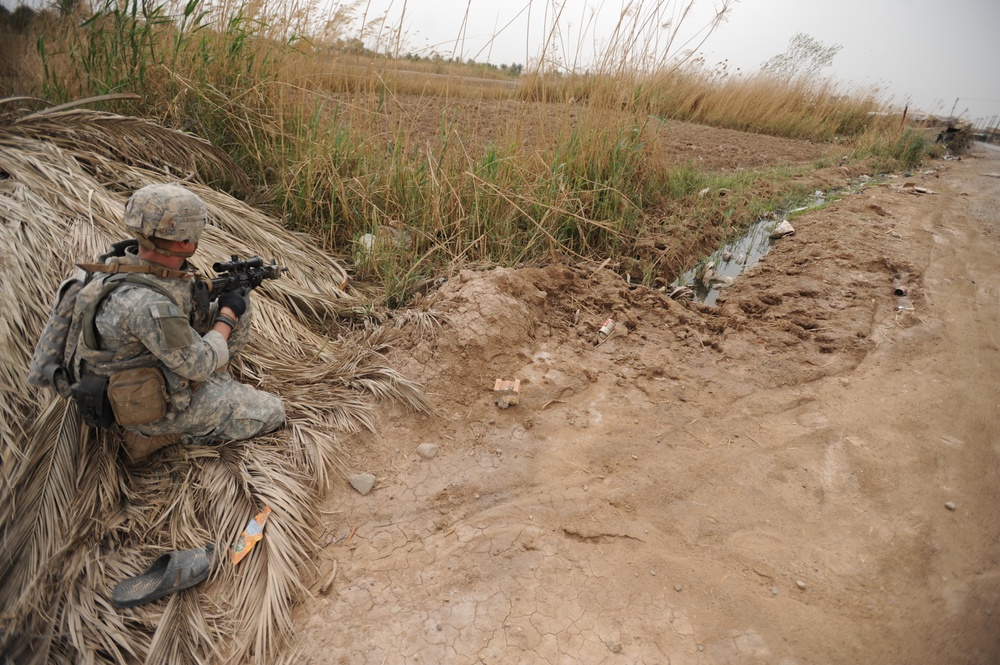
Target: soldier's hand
237, 300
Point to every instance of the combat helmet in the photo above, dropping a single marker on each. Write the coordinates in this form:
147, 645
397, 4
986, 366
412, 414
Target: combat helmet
170, 212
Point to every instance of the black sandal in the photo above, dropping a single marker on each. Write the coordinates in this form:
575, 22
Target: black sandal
170, 573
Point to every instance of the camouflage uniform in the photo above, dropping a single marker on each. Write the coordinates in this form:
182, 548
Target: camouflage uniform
139, 326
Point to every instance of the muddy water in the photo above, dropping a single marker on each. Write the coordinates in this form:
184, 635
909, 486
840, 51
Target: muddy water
718, 270
724, 265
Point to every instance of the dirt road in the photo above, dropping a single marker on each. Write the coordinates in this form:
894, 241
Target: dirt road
807, 473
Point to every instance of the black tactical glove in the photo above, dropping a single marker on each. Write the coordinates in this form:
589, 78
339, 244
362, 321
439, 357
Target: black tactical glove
237, 300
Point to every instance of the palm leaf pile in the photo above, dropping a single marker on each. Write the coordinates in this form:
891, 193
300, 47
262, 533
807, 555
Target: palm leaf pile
74, 518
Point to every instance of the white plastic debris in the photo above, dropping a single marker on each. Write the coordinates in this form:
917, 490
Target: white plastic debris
782, 230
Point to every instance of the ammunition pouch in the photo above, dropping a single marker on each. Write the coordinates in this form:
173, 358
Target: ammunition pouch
138, 396
91, 396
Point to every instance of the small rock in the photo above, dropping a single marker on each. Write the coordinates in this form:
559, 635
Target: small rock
614, 647
704, 192
783, 229
775, 591
678, 587
427, 450
800, 584
362, 482
653, 573
950, 505
701, 647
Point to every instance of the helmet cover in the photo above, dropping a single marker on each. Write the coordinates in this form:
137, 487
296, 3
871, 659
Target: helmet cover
170, 212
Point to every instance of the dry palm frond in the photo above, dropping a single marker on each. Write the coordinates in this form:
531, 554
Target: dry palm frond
132, 141
76, 519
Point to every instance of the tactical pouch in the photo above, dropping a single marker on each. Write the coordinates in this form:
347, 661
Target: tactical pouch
92, 398
138, 396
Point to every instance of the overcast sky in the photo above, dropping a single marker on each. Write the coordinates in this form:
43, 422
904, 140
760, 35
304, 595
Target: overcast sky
927, 52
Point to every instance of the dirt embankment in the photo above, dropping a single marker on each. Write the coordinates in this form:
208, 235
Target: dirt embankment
761, 482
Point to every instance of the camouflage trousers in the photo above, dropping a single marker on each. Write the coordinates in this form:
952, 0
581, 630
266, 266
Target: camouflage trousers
222, 409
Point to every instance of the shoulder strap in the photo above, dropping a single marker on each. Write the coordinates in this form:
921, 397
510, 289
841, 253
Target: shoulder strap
115, 268
90, 336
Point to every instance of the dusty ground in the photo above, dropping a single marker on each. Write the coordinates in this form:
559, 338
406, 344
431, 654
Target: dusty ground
762, 482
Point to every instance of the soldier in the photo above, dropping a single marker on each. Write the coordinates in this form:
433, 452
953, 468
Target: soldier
166, 381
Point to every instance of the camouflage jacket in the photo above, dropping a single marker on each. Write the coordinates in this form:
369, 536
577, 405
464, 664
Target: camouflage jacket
140, 326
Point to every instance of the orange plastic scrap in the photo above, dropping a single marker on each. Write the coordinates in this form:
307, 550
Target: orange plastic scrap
253, 533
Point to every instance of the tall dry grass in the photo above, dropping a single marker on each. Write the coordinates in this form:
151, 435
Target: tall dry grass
339, 143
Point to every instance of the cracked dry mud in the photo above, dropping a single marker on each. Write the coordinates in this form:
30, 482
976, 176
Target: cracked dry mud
761, 482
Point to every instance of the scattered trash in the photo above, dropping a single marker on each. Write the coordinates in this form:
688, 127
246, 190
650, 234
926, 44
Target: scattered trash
170, 573
695, 284
427, 450
362, 482
992, 175
386, 237
606, 329
950, 505
507, 393
704, 192
727, 255
681, 293
781, 230
901, 287
251, 535
913, 188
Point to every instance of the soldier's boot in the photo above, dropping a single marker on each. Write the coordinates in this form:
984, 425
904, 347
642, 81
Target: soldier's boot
139, 446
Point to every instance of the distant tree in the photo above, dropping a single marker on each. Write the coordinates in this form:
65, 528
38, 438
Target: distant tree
806, 57
67, 7
21, 18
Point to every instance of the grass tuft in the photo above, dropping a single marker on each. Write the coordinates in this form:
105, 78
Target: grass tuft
342, 142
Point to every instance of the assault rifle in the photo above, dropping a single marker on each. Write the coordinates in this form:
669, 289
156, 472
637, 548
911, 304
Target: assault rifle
234, 274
